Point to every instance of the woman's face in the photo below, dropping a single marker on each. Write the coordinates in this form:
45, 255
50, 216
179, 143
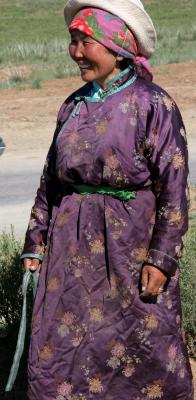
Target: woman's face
95, 61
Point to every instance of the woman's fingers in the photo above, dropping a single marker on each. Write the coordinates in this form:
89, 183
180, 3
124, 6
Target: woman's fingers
144, 279
32, 264
153, 281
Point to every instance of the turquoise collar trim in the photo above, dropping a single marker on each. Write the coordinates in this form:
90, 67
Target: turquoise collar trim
110, 83
99, 95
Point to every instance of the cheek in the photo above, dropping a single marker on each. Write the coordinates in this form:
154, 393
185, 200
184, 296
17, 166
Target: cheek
71, 51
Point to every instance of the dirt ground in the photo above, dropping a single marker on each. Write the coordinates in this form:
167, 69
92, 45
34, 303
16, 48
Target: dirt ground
28, 116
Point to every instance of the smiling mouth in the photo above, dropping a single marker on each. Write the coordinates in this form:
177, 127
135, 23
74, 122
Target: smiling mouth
84, 66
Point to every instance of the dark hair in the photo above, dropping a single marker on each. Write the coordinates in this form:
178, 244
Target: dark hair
125, 63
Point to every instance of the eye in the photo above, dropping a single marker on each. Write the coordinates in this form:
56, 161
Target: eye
86, 42
73, 41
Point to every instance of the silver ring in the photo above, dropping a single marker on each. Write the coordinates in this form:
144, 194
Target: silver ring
161, 290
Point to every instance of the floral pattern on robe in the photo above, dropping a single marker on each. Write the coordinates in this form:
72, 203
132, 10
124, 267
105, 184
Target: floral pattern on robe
92, 335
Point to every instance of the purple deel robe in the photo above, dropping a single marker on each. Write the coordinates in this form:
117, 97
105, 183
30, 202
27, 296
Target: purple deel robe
92, 335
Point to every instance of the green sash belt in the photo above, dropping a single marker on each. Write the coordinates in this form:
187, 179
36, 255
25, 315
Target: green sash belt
120, 194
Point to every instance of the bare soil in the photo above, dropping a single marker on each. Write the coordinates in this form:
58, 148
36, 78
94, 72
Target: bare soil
28, 116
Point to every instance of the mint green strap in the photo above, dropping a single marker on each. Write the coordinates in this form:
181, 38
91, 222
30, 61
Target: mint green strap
122, 194
22, 330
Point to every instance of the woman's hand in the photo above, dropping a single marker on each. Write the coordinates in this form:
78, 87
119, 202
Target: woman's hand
32, 264
152, 281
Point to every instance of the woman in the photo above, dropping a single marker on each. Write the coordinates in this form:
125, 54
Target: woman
107, 224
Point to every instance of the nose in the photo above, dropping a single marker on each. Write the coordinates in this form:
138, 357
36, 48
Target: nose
76, 51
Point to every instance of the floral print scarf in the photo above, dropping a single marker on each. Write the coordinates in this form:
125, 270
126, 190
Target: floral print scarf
107, 29
113, 33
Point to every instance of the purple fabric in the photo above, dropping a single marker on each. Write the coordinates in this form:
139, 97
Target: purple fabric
92, 335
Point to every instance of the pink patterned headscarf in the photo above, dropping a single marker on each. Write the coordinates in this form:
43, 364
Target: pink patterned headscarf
113, 33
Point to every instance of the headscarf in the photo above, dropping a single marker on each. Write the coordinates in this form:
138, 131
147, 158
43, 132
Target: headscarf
113, 33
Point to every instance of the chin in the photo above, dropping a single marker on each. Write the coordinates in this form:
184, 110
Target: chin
86, 77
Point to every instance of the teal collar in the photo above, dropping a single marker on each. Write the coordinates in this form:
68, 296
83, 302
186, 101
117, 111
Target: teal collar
113, 86
124, 79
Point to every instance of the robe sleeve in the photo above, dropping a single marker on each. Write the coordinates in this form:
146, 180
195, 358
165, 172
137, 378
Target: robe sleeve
169, 168
36, 235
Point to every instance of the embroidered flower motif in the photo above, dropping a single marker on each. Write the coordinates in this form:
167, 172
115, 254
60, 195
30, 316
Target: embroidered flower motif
113, 362
176, 217
97, 246
32, 224
178, 160
112, 169
63, 330
113, 290
77, 340
63, 218
182, 373
96, 314
112, 162
68, 318
95, 385
124, 107
178, 250
53, 284
116, 223
172, 352
76, 146
151, 322
118, 350
178, 319
120, 357
133, 121
70, 327
107, 172
140, 254
176, 361
37, 213
128, 371
40, 249
154, 391
77, 264
169, 104
183, 132
64, 389
102, 126
164, 99
46, 353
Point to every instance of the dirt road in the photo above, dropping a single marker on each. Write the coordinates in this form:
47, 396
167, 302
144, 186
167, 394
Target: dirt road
27, 123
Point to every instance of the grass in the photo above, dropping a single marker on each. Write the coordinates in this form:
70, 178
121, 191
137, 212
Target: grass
33, 32
188, 278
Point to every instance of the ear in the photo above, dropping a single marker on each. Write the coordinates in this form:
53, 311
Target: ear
119, 58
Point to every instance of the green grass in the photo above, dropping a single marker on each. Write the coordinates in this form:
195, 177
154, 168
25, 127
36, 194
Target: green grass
33, 32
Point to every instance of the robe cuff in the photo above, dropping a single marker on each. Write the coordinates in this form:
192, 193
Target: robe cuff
162, 261
31, 255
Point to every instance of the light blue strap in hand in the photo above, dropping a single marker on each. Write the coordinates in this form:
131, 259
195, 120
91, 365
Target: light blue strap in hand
28, 276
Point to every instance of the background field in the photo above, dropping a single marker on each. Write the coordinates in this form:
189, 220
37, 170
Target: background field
33, 32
